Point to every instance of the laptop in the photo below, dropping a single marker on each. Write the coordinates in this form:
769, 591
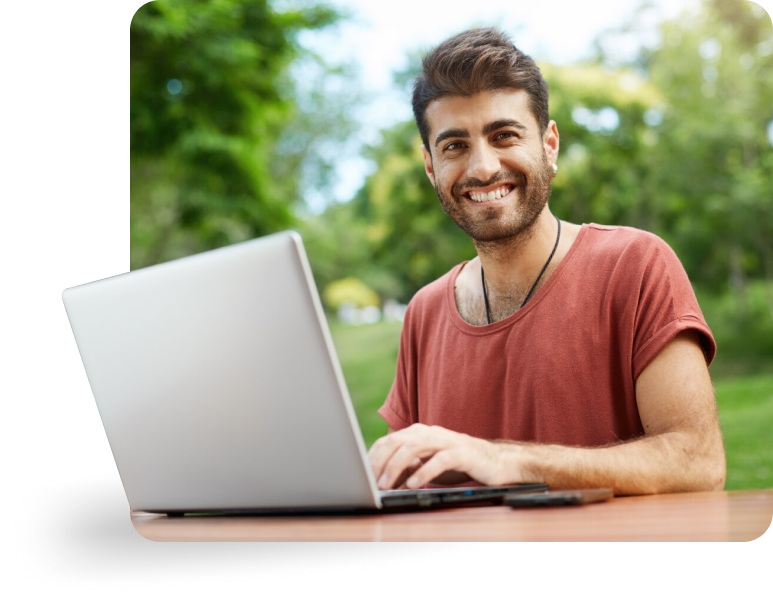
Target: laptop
220, 390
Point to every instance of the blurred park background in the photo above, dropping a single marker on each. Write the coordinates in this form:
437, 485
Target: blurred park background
241, 127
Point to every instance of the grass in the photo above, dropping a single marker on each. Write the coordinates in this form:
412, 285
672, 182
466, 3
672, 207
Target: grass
368, 355
746, 415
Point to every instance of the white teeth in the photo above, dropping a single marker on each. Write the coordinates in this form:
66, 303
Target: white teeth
486, 197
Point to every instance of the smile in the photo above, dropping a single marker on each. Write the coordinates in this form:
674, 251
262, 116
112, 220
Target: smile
493, 194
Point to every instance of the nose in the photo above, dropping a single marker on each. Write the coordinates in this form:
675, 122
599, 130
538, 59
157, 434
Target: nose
483, 163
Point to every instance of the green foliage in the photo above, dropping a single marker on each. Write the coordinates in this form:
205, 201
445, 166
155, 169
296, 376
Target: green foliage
603, 175
712, 156
337, 246
743, 329
211, 97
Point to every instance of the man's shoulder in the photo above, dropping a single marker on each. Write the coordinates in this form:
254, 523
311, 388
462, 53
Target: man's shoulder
431, 296
622, 235
624, 241
435, 290
627, 256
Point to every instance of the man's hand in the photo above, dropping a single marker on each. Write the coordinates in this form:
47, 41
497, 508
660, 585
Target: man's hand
439, 450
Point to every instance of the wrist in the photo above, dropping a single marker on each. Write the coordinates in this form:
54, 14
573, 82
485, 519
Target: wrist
518, 464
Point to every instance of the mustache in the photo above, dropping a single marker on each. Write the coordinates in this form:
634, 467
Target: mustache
501, 176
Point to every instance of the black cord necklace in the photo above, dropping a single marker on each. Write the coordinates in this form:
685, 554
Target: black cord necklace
533, 286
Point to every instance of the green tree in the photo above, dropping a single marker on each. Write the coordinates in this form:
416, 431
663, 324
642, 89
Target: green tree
603, 175
713, 156
337, 246
215, 158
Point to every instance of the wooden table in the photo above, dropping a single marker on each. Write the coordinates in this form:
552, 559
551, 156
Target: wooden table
704, 516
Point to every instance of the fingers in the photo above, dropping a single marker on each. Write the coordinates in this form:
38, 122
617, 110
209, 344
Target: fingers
400, 483
440, 462
405, 444
393, 457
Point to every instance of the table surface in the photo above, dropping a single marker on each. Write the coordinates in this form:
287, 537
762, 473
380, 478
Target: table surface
702, 516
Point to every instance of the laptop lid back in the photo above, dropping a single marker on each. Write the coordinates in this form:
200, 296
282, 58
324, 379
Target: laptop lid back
218, 385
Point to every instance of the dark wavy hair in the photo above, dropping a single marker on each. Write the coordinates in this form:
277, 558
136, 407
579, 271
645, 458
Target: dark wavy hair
473, 61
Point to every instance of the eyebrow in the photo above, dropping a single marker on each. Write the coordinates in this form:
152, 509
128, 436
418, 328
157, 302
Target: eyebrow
452, 133
503, 123
487, 129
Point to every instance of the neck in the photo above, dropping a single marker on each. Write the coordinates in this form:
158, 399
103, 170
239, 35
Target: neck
514, 263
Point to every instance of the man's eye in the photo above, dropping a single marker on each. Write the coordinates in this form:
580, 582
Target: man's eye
452, 146
506, 135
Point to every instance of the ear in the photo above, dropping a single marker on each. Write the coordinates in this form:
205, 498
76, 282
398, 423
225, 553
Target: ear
429, 168
550, 142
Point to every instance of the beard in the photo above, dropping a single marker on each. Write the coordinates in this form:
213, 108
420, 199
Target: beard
492, 225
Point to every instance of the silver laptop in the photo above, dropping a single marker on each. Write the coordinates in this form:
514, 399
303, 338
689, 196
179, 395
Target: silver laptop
220, 391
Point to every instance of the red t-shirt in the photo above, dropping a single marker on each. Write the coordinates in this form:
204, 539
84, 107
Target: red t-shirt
561, 370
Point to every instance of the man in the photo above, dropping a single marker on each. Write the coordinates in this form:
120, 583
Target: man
566, 354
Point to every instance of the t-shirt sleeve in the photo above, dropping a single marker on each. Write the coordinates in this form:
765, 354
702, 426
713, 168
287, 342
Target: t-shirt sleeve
388, 413
666, 307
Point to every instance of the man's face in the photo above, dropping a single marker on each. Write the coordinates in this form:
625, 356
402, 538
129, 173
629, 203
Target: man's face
489, 163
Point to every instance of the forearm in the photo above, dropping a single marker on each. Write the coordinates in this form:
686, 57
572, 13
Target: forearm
669, 462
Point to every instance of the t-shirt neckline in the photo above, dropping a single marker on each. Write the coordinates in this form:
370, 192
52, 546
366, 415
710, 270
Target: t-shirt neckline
497, 326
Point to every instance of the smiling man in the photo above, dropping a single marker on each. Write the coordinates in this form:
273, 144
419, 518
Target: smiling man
574, 355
